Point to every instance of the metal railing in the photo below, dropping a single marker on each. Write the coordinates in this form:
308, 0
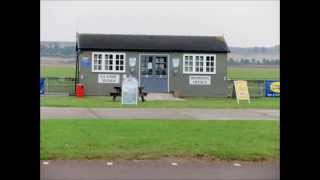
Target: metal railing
56, 85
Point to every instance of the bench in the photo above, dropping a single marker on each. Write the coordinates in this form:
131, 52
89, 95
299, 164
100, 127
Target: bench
117, 92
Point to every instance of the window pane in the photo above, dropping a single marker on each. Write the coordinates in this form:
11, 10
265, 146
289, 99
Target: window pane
121, 62
117, 56
211, 69
121, 68
208, 57
117, 68
201, 57
201, 69
190, 69
100, 56
197, 69
190, 57
121, 56
186, 58
207, 69
117, 62
186, 69
110, 68
110, 56
212, 57
197, 57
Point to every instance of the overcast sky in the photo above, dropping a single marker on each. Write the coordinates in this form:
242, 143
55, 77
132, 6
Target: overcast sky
243, 23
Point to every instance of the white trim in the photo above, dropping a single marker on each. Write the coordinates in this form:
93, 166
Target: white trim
193, 63
103, 62
168, 66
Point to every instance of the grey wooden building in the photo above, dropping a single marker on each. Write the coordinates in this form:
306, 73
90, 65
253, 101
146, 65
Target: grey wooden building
184, 65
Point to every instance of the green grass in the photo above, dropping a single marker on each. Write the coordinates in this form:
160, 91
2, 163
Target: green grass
57, 71
150, 139
106, 102
253, 73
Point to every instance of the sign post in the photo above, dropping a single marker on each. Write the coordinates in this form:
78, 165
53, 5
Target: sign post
129, 91
242, 92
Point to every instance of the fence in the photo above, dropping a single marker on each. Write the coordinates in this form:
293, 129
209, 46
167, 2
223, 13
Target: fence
256, 88
55, 85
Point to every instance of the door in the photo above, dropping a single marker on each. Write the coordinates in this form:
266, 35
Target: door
154, 73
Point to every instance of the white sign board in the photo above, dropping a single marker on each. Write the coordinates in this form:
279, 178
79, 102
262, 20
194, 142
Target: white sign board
108, 78
129, 91
200, 80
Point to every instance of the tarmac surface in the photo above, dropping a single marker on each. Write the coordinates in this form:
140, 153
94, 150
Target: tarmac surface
158, 169
159, 113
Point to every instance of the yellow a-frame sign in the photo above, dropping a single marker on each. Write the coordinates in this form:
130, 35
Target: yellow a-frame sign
242, 92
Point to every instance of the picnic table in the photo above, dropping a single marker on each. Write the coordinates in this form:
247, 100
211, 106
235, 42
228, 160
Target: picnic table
118, 92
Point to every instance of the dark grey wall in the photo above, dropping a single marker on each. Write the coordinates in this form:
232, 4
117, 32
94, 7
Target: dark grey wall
177, 82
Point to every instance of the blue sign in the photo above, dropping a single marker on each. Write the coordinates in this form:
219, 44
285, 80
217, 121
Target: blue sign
272, 88
85, 62
42, 86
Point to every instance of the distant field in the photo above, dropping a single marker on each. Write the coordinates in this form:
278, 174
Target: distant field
253, 73
245, 73
57, 71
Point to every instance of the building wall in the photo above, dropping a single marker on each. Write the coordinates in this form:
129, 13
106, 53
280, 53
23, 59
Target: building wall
177, 82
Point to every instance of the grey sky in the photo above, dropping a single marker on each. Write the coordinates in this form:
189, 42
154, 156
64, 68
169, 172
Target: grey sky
243, 23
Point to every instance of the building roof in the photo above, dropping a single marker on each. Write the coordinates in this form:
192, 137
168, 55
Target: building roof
153, 43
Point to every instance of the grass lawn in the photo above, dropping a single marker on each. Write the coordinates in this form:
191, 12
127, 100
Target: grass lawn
253, 73
106, 102
150, 139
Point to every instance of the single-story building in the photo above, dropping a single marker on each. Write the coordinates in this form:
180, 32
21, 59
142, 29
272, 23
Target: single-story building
184, 65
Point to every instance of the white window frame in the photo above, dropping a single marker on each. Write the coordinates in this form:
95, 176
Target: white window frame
204, 63
113, 63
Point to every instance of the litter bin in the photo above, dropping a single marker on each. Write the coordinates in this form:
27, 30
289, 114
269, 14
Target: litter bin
80, 90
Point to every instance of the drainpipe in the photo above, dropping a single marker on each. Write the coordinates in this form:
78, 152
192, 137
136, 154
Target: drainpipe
77, 65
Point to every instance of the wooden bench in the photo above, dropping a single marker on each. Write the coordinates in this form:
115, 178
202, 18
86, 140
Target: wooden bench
117, 92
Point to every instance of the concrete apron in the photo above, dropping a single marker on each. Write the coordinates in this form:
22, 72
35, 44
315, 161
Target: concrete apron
159, 113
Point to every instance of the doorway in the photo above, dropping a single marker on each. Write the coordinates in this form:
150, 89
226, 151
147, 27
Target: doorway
154, 72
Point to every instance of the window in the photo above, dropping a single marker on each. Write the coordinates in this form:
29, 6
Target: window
108, 62
199, 63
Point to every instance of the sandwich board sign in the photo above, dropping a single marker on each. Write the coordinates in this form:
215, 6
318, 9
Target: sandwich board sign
129, 91
242, 92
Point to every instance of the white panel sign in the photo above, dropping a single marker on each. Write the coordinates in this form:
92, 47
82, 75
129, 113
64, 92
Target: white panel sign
108, 78
129, 91
200, 80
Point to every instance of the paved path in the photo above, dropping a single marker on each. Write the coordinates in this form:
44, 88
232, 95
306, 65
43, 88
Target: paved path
153, 113
158, 169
